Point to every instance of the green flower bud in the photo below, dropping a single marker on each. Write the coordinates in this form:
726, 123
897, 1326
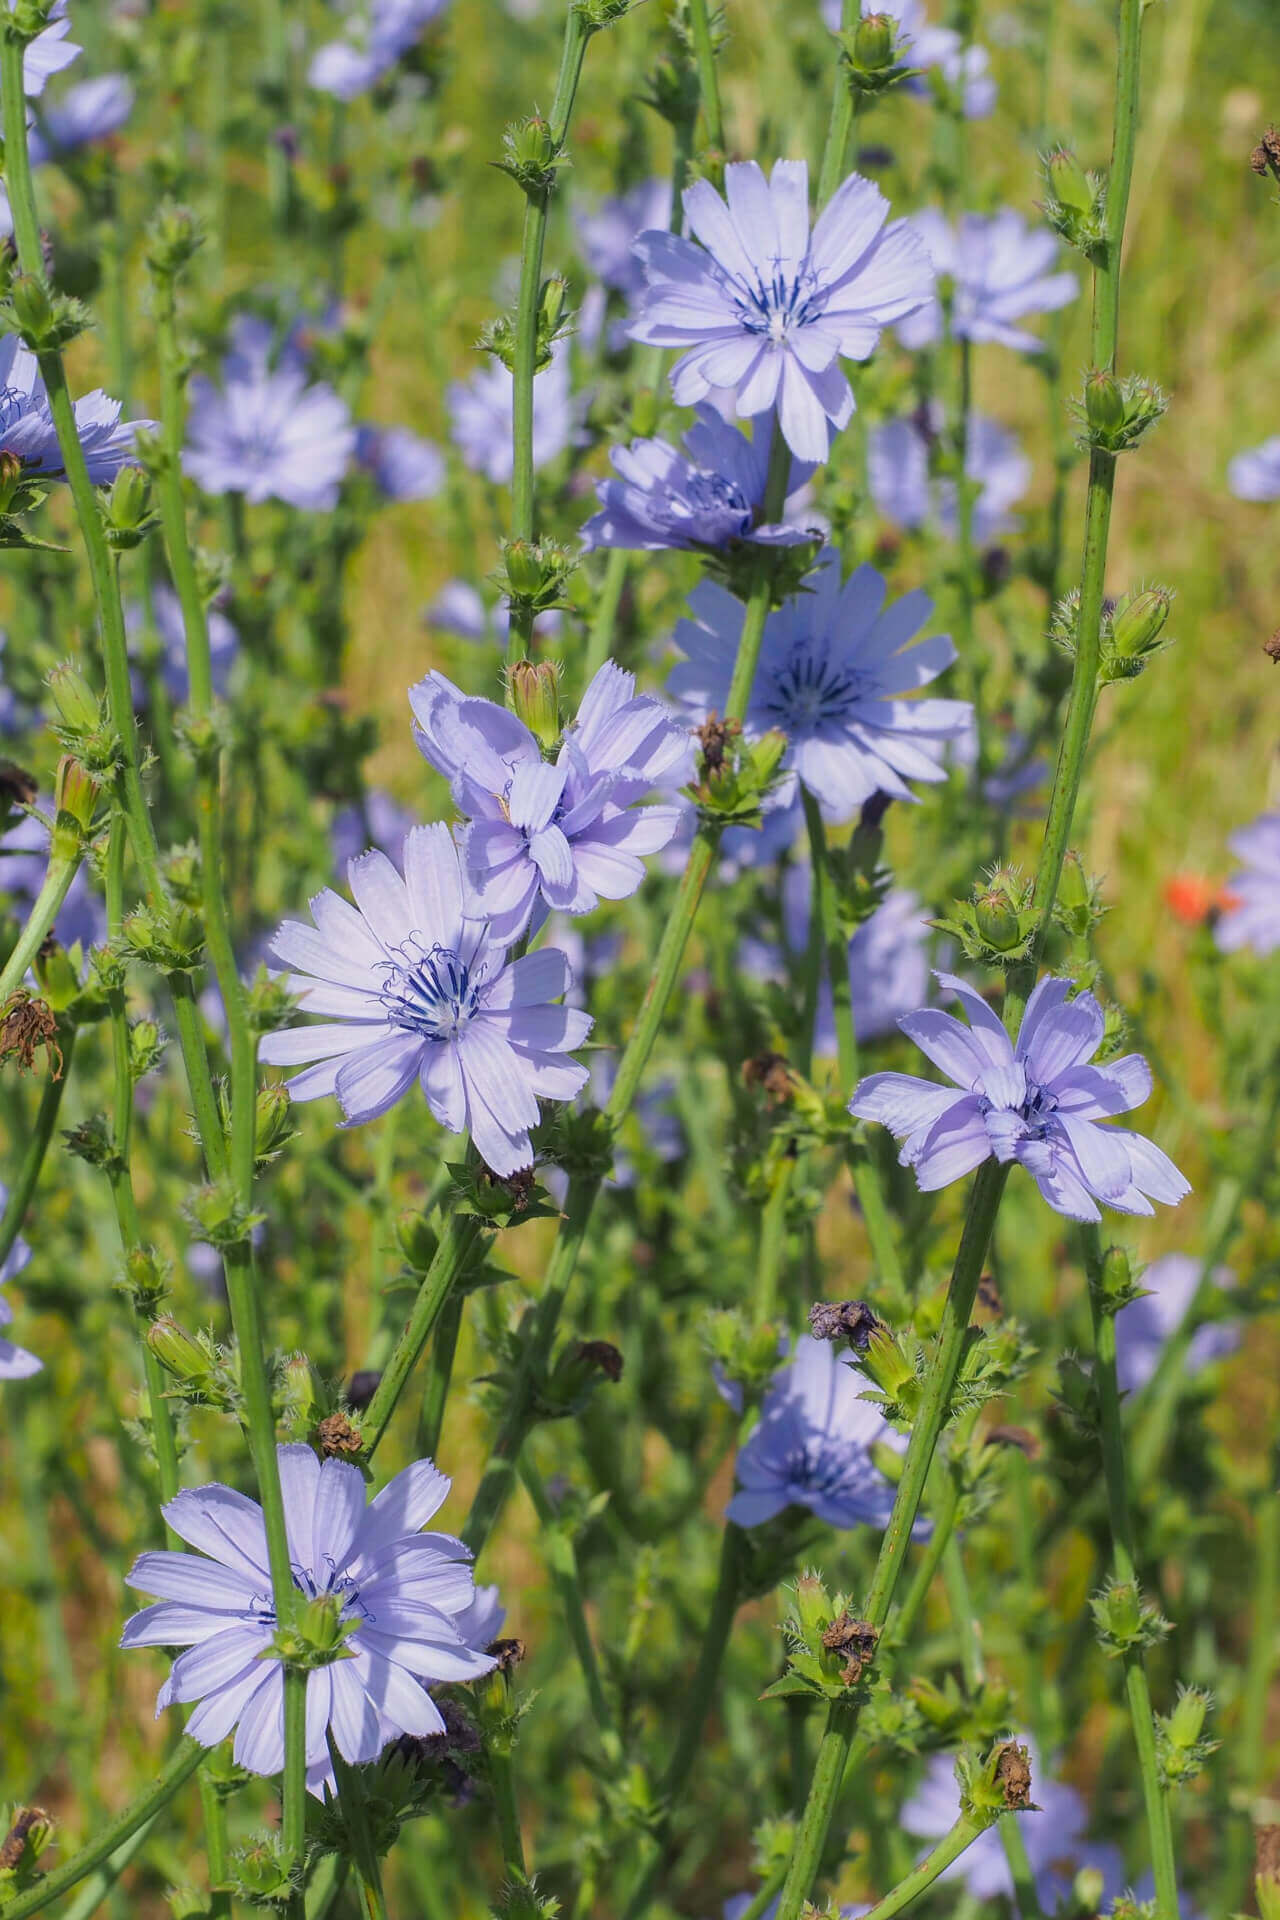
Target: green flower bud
79, 708
1139, 622
1104, 406
127, 510
274, 1125
1074, 892
873, 42
418, 1240
176, 1350
146, 1048
1068, 182
536, 699
172, 238
997, 920
812, 1605
32, 303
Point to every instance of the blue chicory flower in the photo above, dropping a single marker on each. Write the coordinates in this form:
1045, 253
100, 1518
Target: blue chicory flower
1001, 271
90, 112
562, 834
607, 233
1252, 919
377, 37
15, 1362
1054, 1836
28, 433
904, 490
1143, 1327
767, 309
1255, 475
403, 466
834, 675
378, 821
1038, 1103
416, 987
266, 431
711, 495
812, 1446
404, 1594
480, 415
926, 46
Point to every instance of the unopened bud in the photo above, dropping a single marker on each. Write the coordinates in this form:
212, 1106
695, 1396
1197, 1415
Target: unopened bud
997, 920
1073, 886
535, 697
75, 793
1139, 623
32, 305
1068, 182
78, 706
178, 1352
127, 509
873, 42
1104, 404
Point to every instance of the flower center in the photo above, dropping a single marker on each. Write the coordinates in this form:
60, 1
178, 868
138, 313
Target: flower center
821, 1466
314, 1586
713, 496
811, 688
775, 306
432, 992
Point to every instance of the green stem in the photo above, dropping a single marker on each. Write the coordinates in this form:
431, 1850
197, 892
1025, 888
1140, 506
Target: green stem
835, 154
1026, 1899
949, 1848
562, 1564
177, 1770
23, 1189
99, 1884
44, 911
444, 1346
863, 1170
460, 1235
213, 1806
960, 1601
944, 1363
355, 1811
528, 299
773, 1239
1250, 1745
507, 1813
708, 81
1155, 1798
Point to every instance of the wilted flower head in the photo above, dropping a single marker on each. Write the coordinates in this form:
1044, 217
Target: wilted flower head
416, 988
402, 1598
1256, 475
1252, 917
925, 45
560, 834
898, 457
1053, 1836
92, 111
812, 1446
166, 612
1142, 1328
711, 495
1001, 271
480, 414
835, 669
607, 233
266, 431
49, 53
15, 1362
1038, 1103
27, 430
767, 309
378, 35
403, 466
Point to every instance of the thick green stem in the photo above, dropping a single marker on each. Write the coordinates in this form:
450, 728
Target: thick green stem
460, 1235
444, 1347
355, 1812
528, 299
217, 1850
44, 911
708, 82
177, 1770
1124, 1566
949, 1848
944, 1364
835, 154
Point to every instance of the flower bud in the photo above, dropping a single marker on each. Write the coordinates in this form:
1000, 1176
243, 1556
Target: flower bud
1104, 405
176, 1350
536, 699
1068, 182
1073, 885
873, 42
766, 757
32, 306
1140, 621
78, 706
418, 1240
997, 920
172, 238
146, 1048
127, 510
812, 1605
